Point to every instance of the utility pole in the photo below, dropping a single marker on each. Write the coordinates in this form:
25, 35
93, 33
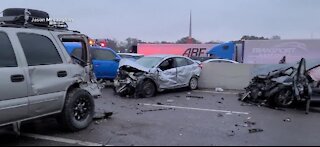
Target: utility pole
190, 41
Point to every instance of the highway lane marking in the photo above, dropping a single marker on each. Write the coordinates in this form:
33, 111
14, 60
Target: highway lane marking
62, 140
215, 92
198, 109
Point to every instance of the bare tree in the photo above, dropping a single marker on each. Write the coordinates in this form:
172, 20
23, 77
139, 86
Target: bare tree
276, 37
184, 40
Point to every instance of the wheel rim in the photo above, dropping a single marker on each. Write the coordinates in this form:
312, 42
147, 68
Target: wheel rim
82, 108
148, 89
285, 98
193, 83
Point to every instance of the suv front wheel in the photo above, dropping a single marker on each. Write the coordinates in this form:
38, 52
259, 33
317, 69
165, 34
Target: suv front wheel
78, 110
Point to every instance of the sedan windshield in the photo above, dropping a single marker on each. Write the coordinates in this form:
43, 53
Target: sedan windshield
149, 62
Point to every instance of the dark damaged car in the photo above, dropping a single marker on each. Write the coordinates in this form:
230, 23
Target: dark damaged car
286, 86
157, 73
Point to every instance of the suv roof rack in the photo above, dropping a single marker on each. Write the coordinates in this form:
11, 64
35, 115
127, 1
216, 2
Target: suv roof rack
25, 20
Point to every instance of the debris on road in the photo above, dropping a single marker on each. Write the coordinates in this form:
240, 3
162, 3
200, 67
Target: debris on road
177, 96
222, 98
101, 116
250, 123
104, 115
196, 97
246, 104
170, 101
159, 103
219, 90
219, 102
287, 120
255, 130
231, 133
220, 115
121, 134
246, 124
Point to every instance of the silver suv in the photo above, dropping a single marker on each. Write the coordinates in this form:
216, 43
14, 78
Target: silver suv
38, 77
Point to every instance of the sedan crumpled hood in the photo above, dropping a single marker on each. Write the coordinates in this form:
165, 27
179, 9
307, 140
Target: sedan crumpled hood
133, 64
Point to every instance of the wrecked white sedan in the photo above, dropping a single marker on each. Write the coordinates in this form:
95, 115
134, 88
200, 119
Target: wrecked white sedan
156, 73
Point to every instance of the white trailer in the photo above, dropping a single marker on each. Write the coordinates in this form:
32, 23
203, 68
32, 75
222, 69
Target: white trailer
272, 51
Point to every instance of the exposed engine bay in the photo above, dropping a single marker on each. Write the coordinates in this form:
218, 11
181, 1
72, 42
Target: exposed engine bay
129, 80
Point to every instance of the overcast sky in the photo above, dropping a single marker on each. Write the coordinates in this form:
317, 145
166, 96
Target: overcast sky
168, 20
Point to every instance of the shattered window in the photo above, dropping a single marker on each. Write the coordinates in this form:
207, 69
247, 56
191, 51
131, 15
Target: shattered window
182, 62
39, 50
167, 64
149, 62
7, 56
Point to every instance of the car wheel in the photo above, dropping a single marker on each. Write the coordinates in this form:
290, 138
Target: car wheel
193, 84
284, 98
149, 89
78, 110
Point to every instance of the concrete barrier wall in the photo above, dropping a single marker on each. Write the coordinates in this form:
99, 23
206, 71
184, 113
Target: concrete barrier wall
233, 76
226, 76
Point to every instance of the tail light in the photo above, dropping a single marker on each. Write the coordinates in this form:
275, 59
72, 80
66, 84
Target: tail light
102, 44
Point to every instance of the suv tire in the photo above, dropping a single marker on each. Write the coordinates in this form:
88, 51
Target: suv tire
78, 110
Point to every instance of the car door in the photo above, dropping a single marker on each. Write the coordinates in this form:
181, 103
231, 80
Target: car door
13, 85
184, 71
47, 72
106, 63
167, 74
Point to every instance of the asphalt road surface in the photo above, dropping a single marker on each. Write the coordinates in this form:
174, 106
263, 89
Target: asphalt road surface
178, 117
